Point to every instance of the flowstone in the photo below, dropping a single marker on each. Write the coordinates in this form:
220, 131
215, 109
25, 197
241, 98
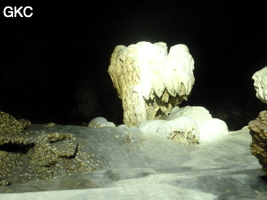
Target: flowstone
156, 168
49, 150
42, 152
149, 80
100, 122
130, 133
187, 125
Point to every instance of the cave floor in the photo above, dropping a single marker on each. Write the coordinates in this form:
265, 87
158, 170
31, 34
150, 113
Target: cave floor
157, 168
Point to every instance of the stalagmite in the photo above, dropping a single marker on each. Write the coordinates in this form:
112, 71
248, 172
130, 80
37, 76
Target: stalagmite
150, 81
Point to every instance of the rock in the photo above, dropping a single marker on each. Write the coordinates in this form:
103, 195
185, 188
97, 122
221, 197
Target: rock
258, 131
181, 130
100, 122
155, 168
132, 133
43, 152
51, 124
149, 80
260, 84
8, 124
187, 125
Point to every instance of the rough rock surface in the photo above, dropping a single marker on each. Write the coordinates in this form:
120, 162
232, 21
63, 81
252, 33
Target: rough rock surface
187, 125
99, 122
8, 124
149, 80
258, 131
260, 84
181, 130
45, 151
157, 168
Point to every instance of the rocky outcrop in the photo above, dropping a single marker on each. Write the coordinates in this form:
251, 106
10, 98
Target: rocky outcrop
48, 150
45, 151
258, 131
42, 152
8, 124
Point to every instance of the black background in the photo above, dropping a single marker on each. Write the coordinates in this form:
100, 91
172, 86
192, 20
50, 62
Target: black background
62, 54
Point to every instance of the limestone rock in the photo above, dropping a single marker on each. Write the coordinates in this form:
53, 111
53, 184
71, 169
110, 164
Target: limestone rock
150, 81
187, 125
43, 152
8, 124
258, 131
260, 84
181, 130
100, 122
130, 134
156, 168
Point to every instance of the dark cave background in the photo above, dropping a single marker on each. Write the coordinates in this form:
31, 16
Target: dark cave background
54, 64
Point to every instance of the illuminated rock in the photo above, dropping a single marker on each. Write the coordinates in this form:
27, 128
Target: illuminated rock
187, 125
100, 122
182, 130
258, 127
260, 84
150, 81
154, 167
129, 134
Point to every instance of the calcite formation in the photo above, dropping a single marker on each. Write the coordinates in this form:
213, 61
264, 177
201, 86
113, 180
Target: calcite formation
260, 84
258, 127
8, 124
149, 80
181, 130
130, 133
258, 131
42, 152
48, 150
187, 125
100, 122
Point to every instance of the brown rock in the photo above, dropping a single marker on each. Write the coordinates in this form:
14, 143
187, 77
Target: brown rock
8, 124
258, 131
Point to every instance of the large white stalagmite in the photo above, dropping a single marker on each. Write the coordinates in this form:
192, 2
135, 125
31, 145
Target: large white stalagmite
150, 81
